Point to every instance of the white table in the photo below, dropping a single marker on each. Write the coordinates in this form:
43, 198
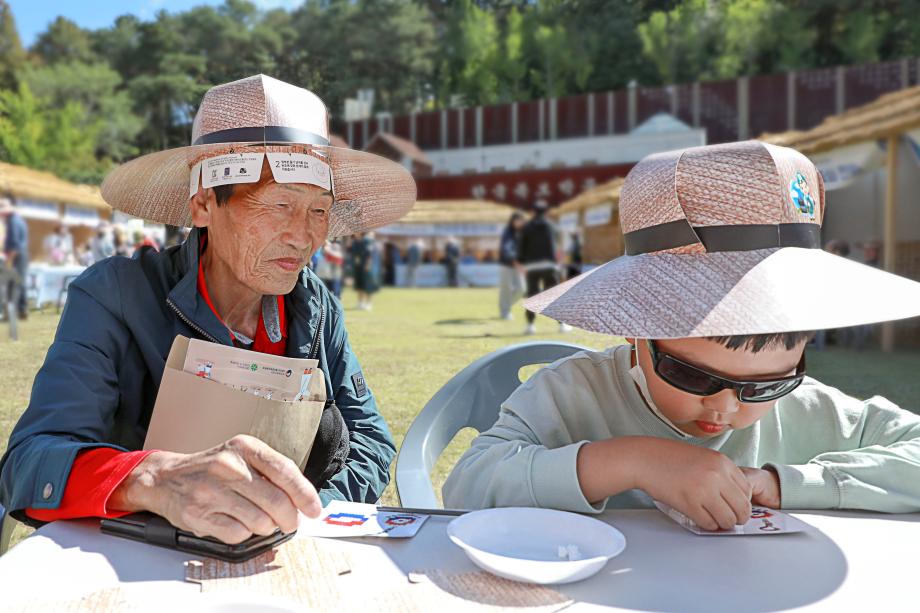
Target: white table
845, 562
50, 280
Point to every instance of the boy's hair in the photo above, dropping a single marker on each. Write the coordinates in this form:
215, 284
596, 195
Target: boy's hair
757, 342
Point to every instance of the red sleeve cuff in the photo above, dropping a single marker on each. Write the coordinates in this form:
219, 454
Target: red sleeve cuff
95, 475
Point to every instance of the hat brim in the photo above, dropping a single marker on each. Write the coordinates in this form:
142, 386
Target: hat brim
671, 295
370, 191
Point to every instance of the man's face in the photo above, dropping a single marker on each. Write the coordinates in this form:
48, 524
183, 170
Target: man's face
706, 416
267, 232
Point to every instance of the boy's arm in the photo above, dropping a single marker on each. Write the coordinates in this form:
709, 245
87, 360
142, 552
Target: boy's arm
875, 464
508, 466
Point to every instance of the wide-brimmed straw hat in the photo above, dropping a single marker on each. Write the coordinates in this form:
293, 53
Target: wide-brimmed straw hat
254, 115
725, 240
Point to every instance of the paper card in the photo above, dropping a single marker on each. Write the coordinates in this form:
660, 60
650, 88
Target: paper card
763, 522
231, 168
342, 519
300, 168
193, 180
263, 375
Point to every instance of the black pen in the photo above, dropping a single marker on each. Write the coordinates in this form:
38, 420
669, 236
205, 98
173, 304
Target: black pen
447, 512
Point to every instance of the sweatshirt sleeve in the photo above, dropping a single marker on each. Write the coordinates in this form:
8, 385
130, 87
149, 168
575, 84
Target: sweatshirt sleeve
528, 458
868, 456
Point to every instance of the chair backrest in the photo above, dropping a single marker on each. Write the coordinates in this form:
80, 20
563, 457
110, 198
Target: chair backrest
6, 530
472, 399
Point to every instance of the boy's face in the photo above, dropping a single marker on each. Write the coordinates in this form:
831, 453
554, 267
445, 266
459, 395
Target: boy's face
706, 416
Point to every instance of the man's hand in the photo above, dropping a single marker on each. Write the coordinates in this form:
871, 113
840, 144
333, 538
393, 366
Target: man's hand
764, 487
232, 491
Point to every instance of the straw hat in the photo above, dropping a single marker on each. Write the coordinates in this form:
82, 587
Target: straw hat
253, 115
725, 240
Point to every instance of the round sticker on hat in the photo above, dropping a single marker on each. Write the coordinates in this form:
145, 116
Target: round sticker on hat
801, 196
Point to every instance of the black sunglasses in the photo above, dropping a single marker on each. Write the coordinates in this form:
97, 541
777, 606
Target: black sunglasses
694, 380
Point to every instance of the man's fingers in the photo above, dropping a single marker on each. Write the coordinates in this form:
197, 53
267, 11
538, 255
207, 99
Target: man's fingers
224, 528
272, 500
283, 473
254, 518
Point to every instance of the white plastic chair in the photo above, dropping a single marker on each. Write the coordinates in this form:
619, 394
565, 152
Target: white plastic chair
7, 524
472, 398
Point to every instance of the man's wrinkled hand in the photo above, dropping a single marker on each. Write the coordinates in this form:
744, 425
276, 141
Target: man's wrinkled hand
232, 491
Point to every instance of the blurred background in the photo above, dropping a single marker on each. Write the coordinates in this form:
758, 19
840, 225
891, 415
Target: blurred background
494, 106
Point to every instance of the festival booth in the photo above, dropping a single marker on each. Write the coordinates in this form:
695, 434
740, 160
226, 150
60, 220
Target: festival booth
46, 201
476, 225
869, 157
594, 216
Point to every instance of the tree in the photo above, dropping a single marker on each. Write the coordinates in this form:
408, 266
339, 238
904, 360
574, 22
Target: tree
37, 134
12, 55
64, 41
97, 88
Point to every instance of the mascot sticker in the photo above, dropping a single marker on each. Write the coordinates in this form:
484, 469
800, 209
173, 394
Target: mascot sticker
801, 196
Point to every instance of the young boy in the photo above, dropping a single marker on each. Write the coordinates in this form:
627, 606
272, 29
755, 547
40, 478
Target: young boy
708, 408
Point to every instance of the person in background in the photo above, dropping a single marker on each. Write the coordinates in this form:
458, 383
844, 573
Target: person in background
573, 267
102, 245
511, 274
121, 242
141, 240
452, 261
391, 259
365, 257
58, 246
16, 251
329, 268
537, 255
413, 260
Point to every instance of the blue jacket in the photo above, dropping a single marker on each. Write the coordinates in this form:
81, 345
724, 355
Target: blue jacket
99, 381
17, 239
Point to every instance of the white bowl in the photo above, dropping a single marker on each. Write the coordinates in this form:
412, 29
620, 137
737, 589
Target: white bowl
522, 544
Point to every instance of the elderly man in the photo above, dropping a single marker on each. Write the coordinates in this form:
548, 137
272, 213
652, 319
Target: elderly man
271, 191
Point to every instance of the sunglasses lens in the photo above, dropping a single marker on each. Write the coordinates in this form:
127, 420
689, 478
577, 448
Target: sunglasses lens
686, 377
768, 390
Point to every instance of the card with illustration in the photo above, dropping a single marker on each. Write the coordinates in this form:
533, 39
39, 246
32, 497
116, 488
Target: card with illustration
354, 519
763, 522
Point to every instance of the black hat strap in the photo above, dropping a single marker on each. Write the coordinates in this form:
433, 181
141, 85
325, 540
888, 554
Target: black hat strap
680, 233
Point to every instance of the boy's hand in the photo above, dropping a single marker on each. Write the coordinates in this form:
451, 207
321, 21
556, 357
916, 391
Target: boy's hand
765, 488
701, 483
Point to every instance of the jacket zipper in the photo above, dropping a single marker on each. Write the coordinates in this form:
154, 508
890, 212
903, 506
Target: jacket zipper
189, 322
314, 351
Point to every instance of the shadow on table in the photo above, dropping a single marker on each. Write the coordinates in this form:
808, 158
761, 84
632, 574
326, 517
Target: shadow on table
755, 574
158, 563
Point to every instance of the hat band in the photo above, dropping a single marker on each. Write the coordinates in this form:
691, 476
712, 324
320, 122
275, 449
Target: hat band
267, 134
751, 237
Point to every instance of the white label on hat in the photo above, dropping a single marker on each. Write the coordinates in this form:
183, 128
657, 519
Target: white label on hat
299, 168
231, 168
193, 180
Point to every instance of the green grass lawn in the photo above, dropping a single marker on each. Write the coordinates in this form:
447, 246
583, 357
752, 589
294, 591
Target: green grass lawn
414, 341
